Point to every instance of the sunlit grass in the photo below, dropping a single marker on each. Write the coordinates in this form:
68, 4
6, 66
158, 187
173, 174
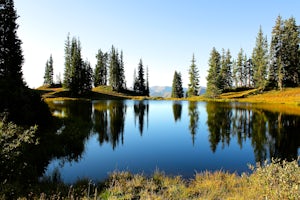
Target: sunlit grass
272, 180
275, 180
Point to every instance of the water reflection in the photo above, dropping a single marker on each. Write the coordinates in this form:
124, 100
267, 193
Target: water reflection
245, 132
141, 109
109, 119
194, 118
271, 134
177, 110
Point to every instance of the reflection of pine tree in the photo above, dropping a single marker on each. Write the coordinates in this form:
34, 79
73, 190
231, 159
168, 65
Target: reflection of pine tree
140, 110
219, 124
177, 109
284, 132
117, 112
194, 118
101, 121
259, 138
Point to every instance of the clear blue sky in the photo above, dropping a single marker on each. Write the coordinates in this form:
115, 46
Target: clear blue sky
164, 33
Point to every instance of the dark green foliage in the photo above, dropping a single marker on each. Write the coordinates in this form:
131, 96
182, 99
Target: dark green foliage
78, 74
22, 105
177, 90
116, 71
291, 56
213, 78
140, 86
194, 119
260, 60
100, 74
275, 75
68, 69
284, 51
193, 86
11, 58
48, 77
225, 72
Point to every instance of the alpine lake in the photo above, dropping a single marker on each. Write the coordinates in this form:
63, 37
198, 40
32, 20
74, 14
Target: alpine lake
96, 138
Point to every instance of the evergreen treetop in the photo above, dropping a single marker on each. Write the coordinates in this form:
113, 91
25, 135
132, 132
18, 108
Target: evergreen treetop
193, 86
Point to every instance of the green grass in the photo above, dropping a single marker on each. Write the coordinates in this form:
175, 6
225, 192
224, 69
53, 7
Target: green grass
274, 180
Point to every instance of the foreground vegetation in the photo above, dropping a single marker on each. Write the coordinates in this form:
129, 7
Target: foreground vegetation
275, 180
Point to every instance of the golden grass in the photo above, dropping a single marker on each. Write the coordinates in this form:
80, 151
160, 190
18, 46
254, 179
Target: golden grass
286, 96
276, 180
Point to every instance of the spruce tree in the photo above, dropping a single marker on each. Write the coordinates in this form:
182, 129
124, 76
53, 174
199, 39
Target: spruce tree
140, 86
177, 90
240, 69
68, 56
11, 58
275, 76
100, 74
225, 72
213, 78
193, 86
116, 71
260, 60
290, 53
78, 74
48, 77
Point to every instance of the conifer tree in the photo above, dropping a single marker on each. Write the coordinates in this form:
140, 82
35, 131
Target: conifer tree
260, 60
275, 76
193, 86
213, 78
116, 71
48, 77
100, 75
225, 72
79, 73
177, 90
11, 58
240, 69
140, 85
290, 53
68, 69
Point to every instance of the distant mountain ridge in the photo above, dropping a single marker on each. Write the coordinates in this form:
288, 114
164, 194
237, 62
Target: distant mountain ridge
165, 91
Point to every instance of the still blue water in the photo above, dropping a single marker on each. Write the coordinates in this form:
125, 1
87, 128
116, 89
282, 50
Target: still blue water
178, 138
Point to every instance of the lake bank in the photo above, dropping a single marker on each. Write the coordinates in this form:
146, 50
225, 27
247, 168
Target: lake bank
275, 180
286, 96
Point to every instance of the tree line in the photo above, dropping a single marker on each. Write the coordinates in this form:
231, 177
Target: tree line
79, 77
274, 67
271, 66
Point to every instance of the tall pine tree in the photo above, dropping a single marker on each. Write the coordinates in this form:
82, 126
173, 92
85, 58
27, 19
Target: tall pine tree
213, 78
78, 74
68, 68
11, 58
225, 72
260, 60
275, 76
116, 71
140, 85
48, 77
100, 74
290, 53
193, 86
177, 90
